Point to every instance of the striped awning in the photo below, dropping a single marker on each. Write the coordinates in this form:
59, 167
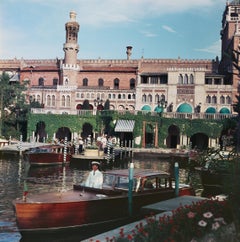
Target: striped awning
124, 125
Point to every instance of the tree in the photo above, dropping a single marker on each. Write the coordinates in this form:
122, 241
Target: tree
14, 108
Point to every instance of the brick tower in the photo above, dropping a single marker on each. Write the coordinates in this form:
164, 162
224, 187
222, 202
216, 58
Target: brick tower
71, 46
230, 35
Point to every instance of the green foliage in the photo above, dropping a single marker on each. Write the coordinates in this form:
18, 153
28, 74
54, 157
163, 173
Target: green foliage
14, 108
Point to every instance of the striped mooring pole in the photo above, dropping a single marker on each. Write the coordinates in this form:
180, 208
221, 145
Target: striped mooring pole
65, 151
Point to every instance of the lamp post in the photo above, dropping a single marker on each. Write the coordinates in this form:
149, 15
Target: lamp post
98, 102
162, 104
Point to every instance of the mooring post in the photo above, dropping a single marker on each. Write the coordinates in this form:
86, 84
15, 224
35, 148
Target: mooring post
130, 188
176, 174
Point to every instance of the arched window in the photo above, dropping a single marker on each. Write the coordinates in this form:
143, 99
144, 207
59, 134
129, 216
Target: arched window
214, 99
100, 82
41, 81
222, 100
82, 95
85, 82
38, 98
55, 81
116, 83
53, 101
63, 101
163, 98
114, 96
68, 101
48, 100
133, 96
129, 96
119, 96
191, 79
144, 98
185, 79
180, 79
109, 96
149, 98
228, 100
88, 95
208, 99
157, 98
123, 96
132, 83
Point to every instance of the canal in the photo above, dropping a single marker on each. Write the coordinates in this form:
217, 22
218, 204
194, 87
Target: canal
13, 171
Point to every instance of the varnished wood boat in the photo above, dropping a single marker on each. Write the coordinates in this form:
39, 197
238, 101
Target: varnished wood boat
84, 206
48, 155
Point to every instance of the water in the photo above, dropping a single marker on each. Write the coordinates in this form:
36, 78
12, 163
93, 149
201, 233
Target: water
13, 171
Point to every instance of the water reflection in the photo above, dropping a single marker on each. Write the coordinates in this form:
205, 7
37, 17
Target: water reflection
14, 171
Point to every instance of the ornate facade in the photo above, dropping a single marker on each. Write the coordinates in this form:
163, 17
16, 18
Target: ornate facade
180, 86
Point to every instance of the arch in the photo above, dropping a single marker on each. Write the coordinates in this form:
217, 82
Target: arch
62, 133
185, 79
199, 141
228, 100
222, 99
85, 82
144, 98
100, 82
224, 111
116, 83
208, 99
40, 132
68, 101
53, 100
149, 98
87, 129
191, 79
173, 138
48, 100
180, 79
146, 108
79, 106
210, 110
184, 108
132, 83
41, 81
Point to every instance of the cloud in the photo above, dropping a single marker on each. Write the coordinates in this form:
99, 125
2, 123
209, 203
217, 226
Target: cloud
169, 29
148, 34
215, 48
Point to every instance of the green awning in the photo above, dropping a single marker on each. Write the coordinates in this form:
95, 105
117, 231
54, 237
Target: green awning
224, 110
184, 108
211, 110
124, 126
146, 108
158, 109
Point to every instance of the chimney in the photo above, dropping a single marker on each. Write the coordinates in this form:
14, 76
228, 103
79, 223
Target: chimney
129, 52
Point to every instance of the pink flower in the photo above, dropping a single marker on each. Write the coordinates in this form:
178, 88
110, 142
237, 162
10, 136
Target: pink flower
191, 215
207, 215
215, 226
202, 223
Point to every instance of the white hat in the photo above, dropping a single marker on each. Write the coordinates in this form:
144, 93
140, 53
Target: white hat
95, 163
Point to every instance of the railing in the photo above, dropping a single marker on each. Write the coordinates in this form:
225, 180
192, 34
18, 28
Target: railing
209, 116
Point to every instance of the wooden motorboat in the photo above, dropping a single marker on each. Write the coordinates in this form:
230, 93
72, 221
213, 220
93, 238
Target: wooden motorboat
48, 155
85, 206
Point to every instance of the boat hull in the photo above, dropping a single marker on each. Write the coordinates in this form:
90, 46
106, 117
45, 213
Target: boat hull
41, 159
63, 214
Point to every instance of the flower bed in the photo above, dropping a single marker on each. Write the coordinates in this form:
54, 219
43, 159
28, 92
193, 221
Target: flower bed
207, 220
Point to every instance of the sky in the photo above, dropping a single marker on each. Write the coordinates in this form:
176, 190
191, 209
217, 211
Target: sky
161, 29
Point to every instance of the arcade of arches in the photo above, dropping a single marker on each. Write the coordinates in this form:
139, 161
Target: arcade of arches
169, 133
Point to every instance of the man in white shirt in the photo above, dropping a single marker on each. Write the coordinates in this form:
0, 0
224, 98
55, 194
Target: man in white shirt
95, 177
